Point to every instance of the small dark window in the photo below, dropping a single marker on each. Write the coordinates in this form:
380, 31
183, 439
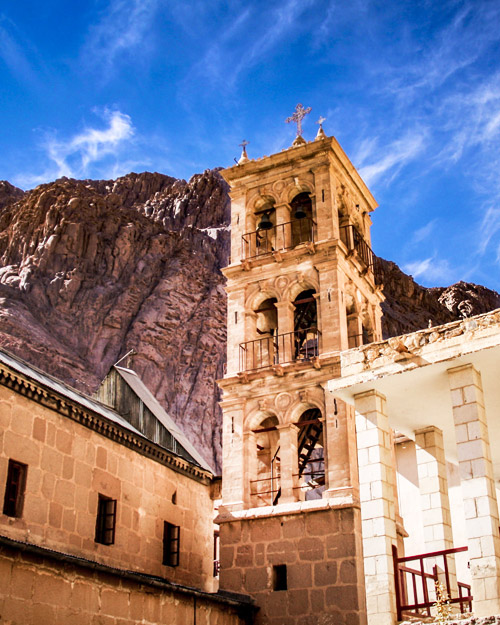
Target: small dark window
171, 544
279, 577
14, 489
174, 497
106, 521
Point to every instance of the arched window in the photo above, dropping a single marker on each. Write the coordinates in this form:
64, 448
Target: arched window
305, 326
311, 460
302, 219
265, 234
267, 317
265, 487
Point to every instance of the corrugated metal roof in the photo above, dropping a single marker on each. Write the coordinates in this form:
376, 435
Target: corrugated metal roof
142, 391
33, 373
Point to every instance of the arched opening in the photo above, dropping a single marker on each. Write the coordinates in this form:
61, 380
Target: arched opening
302, 218
265, 234
305, 326
267, 317
310, 451
263, 351
265, 488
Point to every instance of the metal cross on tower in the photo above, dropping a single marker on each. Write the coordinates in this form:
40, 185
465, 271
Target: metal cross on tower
298, 116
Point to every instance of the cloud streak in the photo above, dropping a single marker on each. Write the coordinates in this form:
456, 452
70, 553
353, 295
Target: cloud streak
389, 161
122, 29
75, 156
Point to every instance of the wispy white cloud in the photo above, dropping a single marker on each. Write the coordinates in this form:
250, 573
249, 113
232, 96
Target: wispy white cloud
231, 52
390, 159
14, 53
423, 233
489, 228
431, 270
75, 156
122, 29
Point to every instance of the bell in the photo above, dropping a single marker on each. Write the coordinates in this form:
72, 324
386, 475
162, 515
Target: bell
265, 223
300, 213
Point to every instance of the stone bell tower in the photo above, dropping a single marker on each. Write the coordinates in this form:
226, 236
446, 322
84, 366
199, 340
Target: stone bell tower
301, 287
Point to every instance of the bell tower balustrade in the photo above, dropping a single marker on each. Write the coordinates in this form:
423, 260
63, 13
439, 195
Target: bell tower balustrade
301, 345
281, 237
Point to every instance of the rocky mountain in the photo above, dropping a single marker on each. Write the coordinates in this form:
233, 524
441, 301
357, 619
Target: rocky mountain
92, 269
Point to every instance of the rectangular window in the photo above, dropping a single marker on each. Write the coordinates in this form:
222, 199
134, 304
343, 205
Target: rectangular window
280, 581
106, 520
171, 544
14, 489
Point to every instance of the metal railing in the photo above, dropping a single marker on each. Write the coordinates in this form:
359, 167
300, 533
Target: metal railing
412, 588
281, 237
354, 241
301, 345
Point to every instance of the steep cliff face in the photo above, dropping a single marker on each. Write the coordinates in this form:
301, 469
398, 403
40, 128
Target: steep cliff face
92, 269
409, 306
9, 194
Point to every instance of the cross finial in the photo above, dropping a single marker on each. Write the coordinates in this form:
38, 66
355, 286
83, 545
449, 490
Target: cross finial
244, 156
321, 120
298, 116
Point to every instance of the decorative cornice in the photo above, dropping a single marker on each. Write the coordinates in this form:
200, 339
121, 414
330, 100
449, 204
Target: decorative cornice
64, 406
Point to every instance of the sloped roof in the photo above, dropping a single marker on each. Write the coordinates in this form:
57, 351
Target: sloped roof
45, 379
145, 395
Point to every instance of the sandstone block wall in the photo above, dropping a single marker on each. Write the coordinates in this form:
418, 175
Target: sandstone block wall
69, 465
36, 591
322, 552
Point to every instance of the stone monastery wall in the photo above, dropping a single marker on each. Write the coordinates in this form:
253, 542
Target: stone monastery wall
69, 465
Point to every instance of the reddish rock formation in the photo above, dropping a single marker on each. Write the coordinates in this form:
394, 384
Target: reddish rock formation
92, 269
409, 306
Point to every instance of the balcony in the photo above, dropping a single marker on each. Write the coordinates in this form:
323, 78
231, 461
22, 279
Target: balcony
302, 345
355, 243
282, 237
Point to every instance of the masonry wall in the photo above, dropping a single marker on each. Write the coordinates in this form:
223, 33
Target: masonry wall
69, 465
34, 591
322, 552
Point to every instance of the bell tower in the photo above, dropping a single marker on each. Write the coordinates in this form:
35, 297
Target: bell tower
301, 287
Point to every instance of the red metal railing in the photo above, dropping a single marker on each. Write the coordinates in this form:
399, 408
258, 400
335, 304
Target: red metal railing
282, 348
412, 589
281, 237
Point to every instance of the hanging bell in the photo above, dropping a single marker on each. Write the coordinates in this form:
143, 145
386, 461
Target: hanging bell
300, 213
265, 223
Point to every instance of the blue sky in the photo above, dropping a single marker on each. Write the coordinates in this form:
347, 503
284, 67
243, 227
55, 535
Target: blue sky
411, 89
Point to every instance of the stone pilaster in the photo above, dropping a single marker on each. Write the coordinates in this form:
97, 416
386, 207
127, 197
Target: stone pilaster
289, 462
339, 441
233, 462
376, 479
285, 326
478, 487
